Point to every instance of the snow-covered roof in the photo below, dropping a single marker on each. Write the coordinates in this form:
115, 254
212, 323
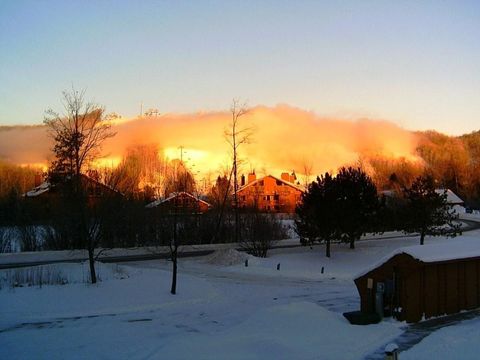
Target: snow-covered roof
276, 178
452, 198
40, 189
457, 248
174, 195
47, 186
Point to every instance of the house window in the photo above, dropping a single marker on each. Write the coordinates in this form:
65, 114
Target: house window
262, 183
276, 197
279, 183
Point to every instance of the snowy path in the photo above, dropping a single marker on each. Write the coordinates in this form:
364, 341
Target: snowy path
415, 333
336, 295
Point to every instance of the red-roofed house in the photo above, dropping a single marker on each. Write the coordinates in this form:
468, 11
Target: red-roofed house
270, 194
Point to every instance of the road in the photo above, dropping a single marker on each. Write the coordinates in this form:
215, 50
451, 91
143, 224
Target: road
188, 251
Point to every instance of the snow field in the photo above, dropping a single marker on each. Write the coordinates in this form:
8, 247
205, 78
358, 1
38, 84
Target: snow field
223, 310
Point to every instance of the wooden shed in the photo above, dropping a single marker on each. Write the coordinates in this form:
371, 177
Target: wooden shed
419, 282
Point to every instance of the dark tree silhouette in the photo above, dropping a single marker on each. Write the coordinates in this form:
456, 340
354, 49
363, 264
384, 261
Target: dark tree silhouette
427, 211
343, 208
357, 204
236, 136
78, 135
316, 218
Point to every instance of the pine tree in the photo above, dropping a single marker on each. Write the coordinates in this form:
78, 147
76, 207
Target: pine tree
427, 212
78, 135
316, 217
338, 208
356, 202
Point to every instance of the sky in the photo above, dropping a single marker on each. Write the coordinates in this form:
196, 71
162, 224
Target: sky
416, 63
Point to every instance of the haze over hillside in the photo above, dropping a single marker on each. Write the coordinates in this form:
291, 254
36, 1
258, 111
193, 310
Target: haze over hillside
284, 138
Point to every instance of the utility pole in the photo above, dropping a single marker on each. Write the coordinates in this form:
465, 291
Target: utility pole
181, 147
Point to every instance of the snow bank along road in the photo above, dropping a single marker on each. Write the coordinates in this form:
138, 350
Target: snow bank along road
13, 260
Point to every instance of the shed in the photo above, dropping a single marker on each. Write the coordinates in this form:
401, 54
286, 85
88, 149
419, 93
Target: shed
423, 281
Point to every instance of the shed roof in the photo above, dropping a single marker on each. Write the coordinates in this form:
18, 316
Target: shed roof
458, 248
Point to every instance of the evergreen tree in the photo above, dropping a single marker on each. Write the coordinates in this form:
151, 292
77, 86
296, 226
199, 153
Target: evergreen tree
316, 215
357, 203
338, 208
78, 135
427, 211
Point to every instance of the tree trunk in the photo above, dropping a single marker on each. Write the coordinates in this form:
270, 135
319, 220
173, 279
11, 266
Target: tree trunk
173, 290
352, 243
422, 237
327, 248
173, 254
91, 260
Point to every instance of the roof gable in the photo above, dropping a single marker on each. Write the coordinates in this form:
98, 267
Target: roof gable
47, 186
275, 178
174, 195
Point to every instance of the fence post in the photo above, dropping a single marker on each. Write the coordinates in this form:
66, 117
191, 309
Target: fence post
391, 352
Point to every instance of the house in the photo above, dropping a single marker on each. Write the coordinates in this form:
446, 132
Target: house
270, 193
181, 201
452, 199
47, 200
423, 281
93, 188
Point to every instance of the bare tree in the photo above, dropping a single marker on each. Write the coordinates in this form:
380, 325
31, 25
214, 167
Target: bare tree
78, 134
307, 169
260, 232
237, 136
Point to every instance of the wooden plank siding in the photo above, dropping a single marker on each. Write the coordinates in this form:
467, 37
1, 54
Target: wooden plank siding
451, 299
431, 291
424, 290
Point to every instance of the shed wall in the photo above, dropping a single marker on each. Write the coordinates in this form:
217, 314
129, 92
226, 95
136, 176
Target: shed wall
425, 289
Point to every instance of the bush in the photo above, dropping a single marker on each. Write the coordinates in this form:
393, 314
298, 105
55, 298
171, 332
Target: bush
6, 245
259, 232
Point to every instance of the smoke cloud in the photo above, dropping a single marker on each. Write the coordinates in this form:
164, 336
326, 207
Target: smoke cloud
284, 139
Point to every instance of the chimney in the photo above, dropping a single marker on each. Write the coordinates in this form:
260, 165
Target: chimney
252, 177
285, 176
293, 177
38, 179
242, 180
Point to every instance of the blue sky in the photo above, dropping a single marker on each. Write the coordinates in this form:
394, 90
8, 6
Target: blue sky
416, 63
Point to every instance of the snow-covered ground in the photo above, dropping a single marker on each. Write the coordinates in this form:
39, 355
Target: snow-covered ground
451, 342
223, 310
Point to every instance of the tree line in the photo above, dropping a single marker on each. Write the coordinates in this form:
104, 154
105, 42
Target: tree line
452, 162
345, 206
105, 208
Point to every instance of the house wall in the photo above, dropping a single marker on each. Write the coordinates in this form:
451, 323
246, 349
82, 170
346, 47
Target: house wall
270, 194
425, 289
